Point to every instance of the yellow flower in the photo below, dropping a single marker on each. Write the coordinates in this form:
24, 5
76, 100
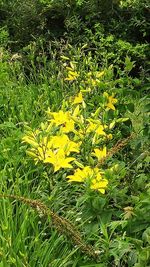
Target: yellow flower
59, 141
80, 175
99, 185
76, 112
68, 126
58, 160
92, 176
100, 130
98, 182
95, 126
63, 142
110, 101
99, 153
60, 117
72, 147
91, 127
78, 99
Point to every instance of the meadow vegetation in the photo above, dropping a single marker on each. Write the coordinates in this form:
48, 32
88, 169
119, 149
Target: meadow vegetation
75, 131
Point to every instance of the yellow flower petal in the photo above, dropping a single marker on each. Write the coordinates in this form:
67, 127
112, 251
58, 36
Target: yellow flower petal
78, 99
101, 190
110, 101
80, 175
58, 160
99, 153
110, 106
60, 117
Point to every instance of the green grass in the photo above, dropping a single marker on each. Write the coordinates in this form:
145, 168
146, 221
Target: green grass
27, 240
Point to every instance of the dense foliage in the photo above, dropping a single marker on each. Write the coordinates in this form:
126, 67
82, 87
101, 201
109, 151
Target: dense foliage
75, 131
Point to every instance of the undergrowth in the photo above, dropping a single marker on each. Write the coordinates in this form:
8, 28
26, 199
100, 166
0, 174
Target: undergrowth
74, 129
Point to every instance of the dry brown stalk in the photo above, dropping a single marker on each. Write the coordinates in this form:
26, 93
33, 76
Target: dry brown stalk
61, 224
117, 147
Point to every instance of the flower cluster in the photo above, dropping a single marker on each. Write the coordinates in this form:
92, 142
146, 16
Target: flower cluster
93, 79
92, 176
72, 73
74, 140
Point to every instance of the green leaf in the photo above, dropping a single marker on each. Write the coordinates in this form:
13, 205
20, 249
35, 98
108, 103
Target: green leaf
146, 235
98, 203
122, 120
7, 124
132, 259
129, 65
139, 227
145, 254
115, 224
147, 108
94, 265
130, 107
